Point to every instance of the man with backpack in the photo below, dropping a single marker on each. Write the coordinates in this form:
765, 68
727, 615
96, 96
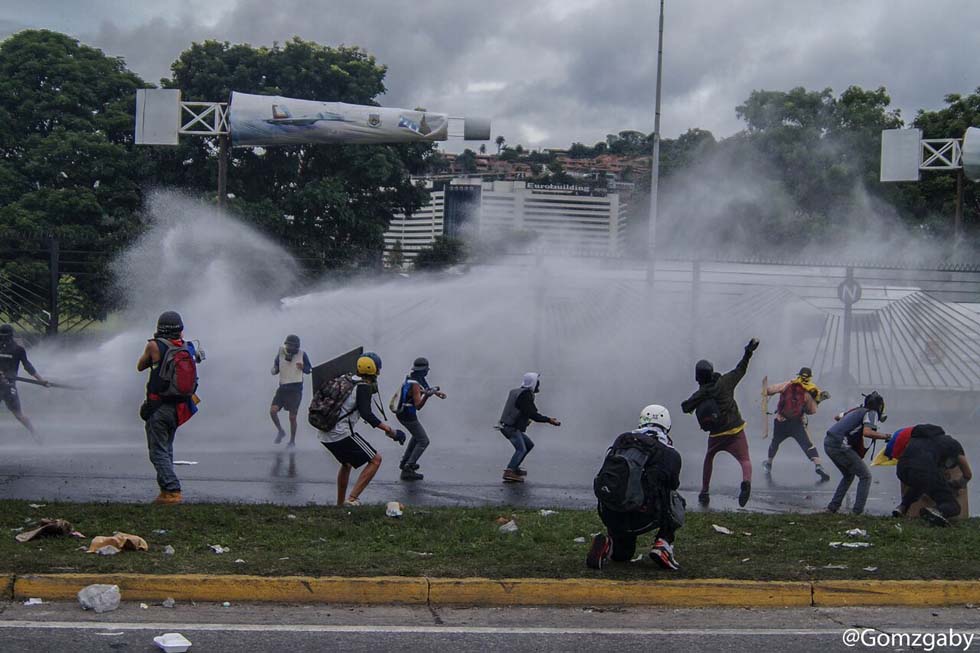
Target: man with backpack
291, 364
637, 492
519, 411
336, 408
845, 447
411, 397
12, 356
717, 413
922, 468
797, 398
170, 399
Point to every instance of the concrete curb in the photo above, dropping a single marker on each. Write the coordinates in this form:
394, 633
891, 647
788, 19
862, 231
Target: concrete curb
381, 590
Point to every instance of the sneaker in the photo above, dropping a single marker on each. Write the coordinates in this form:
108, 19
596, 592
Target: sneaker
704, 498
510, 476
279, 436
934, 517
743, 493
292, 444
352, 502
599, 552
899, 511
410, 475
168, 498
521, 471
663, 554
767, 467
824, 476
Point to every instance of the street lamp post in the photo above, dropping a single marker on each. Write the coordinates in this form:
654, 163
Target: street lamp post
655, 163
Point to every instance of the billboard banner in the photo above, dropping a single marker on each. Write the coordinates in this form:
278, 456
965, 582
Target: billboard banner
265, 120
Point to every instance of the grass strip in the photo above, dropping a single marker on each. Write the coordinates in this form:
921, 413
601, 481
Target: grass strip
460, 542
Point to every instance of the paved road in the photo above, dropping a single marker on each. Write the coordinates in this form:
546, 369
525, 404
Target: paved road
65, 627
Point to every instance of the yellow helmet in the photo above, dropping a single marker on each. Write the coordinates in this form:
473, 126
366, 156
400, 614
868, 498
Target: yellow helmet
369, 364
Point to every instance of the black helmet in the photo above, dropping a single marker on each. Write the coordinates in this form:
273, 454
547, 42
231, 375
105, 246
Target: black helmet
292, 343
421, 364
169, 324
874, 401
703, 371
6, 331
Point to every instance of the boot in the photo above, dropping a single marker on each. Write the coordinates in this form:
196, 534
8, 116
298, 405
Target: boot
411, 475
824, 476
510, 476
704, 498
743, 494
167, 498
521, 471
767, 467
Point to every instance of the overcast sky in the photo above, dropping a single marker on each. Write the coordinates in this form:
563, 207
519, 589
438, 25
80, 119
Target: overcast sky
550, 72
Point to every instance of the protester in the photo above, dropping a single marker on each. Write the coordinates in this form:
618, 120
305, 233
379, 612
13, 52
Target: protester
845, 447
170, 399
12, 356
347, 446
637, 492
519, 411
291, 364
797, 398
922, 467
414, 392
717, 413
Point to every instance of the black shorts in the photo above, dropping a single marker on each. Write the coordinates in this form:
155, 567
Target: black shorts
352, 450
289, 396
10, 398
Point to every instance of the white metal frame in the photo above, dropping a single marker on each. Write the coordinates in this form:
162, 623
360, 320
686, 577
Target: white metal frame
941, 154
204, 118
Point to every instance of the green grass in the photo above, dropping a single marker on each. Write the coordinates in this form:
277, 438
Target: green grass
327, 541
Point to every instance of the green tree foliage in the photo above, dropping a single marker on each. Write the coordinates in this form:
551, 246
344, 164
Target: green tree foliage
445, 252
67, 166
328, 204
467, 160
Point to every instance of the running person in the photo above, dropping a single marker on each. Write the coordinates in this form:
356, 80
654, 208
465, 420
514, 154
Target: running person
291, 364
350, 449
12, 356
415, 391
519, 412
797, 398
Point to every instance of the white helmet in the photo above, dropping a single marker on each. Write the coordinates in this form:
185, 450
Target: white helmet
655, 415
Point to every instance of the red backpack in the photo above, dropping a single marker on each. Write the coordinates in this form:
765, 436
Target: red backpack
792, 401
178, 370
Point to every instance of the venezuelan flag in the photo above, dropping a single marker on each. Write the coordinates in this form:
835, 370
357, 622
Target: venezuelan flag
894, 447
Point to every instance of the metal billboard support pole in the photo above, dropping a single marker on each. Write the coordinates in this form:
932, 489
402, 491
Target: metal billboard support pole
655, 162
222, 170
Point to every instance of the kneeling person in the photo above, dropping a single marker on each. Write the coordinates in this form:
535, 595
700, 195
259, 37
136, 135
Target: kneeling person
637, 492
922, 468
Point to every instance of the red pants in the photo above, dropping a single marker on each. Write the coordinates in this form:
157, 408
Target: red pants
737, 445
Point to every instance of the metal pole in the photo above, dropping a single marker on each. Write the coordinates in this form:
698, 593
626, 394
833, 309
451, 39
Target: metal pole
958, 219
55, 275
847, 332
655, 162
222, 170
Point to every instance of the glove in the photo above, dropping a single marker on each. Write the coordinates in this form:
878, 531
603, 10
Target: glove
958, 484
823, 396
752, 346
399, 437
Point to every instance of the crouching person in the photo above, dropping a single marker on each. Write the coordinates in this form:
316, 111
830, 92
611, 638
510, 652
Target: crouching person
922, 468
637, 492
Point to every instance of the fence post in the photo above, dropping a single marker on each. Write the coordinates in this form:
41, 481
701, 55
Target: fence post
55, 275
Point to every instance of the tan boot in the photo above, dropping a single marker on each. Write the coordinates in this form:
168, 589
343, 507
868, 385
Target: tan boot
510, 476
168, 498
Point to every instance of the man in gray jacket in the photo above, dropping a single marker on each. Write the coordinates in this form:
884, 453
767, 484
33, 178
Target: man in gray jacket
519, 412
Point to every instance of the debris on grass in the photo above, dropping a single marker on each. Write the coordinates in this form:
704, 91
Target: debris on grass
394, 509
217, 548
169, 550
421, 554
746, 559
850, 545
239, 562
290, 516
509, 527
36, 505
579, 540
871, 569
721, 529
835, 567
547, 513
856, 532
46, 528
107, 550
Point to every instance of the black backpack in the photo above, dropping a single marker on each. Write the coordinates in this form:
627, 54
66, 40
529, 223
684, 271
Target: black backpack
621, 485
709, 415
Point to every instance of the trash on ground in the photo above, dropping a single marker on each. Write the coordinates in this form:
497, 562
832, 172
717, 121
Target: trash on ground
579, 540
107, 550
217, 548
122, 541
144, 606
101, 598
857, 532
503, 520
850, 545
421, 554
898, 527
185, 462
169, 550
746, 559
509, 527
160, 531
240, 561
33, 602
172, 642
37, 505
547, 513
290, 516
394, 509
47, 528
286, 558
721, 529
835, 566
169, 603
746, 533
226, 604
870, 569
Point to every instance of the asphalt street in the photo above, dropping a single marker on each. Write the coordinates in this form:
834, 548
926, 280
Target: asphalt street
64, 626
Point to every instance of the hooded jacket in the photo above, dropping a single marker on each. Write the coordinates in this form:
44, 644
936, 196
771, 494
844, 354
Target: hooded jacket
721, 388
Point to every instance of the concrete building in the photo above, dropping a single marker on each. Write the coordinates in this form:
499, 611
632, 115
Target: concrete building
572, 219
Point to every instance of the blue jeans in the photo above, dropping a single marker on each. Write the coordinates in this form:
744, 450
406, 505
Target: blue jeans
521, 443
850, 465
160, 431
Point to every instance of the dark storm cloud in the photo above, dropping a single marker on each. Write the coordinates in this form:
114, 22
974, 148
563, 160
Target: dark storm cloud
557, 71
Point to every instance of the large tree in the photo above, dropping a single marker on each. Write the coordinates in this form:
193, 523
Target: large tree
68, 170
329, 204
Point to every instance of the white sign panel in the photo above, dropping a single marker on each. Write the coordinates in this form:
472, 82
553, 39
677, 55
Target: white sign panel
272, 120
157, 116
900, 154
970, 154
